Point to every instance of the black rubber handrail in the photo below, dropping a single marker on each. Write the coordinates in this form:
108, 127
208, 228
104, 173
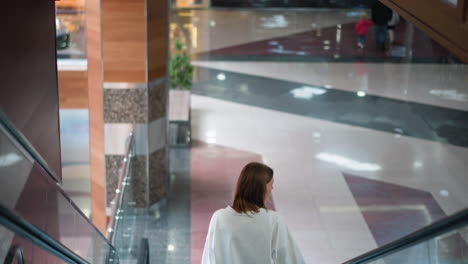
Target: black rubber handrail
444, 225
21, 140
143, 254
15, 252
38, 237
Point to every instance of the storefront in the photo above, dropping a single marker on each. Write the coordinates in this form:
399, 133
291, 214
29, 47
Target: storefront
70, 29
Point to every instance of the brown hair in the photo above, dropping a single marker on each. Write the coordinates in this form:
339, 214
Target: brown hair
251, 188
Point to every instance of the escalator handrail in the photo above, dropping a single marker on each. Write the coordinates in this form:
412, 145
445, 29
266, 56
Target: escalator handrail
38, 237
14, 252
143, 255
444, 225
21, 140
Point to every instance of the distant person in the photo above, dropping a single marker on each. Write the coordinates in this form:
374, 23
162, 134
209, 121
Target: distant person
361, 29
392, 25
247, 232
381, 14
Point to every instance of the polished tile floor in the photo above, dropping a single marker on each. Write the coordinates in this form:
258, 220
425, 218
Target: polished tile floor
360, 141
433, 84
311, 158
366, 147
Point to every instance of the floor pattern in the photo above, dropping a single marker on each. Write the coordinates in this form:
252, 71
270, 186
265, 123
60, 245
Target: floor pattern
357, 109
432, 84
309, 157
405, 210
387, 206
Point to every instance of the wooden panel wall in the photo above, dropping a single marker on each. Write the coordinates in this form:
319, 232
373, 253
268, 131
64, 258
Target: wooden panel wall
447, 25
73, 89
96, 114
157, 38
124, 40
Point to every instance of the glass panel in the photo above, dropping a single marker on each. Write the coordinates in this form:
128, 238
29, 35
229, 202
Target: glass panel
130, 220
31, 194
450, 248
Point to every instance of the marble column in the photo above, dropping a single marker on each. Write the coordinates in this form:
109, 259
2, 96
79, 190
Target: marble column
135, 46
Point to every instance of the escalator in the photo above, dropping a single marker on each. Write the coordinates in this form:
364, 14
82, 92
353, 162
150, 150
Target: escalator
39, 223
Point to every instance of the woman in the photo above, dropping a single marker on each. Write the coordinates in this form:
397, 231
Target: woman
246, 232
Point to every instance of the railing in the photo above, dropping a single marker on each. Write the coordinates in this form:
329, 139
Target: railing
444, 241
122, 182
126, 228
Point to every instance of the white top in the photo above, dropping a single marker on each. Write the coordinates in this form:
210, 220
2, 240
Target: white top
257, 238
394, 20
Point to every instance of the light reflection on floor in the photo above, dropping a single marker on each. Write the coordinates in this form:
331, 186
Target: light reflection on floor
74, 139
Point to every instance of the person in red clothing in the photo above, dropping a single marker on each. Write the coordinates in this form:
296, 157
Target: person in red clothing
361, 29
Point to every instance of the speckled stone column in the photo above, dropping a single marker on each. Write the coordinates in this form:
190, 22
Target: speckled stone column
158, 162
143, 111
135, 95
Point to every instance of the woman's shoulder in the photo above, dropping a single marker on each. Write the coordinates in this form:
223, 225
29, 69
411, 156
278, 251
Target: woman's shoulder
275, 216
224, 211
270, 212
272, 215
262, 212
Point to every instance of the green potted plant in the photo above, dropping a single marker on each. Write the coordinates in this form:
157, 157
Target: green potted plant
180, 79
